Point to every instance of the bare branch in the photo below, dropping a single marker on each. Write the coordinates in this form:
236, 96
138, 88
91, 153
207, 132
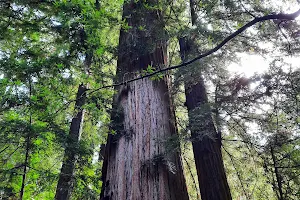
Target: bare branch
256, 20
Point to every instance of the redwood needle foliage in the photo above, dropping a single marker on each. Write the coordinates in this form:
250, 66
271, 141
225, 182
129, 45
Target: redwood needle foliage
137, 62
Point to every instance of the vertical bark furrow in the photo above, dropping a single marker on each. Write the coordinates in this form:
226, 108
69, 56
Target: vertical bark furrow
207, 150
205, 139
147, 129
148, 115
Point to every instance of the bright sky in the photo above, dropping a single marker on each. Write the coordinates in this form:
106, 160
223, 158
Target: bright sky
251, 63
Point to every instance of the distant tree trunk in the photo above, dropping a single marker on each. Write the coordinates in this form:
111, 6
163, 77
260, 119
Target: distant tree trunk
26, 163
65, 182
277, 185
28, 144
137, 163
206, 144
206, 141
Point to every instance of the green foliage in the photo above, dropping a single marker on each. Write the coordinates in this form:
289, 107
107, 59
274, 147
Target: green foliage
149, 70
42, 51
48, 48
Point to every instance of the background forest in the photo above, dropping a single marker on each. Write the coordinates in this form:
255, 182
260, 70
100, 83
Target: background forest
76, 77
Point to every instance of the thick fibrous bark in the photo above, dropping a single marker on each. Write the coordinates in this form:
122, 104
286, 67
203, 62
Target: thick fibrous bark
137, 163
206, 141
206, 144
65, 182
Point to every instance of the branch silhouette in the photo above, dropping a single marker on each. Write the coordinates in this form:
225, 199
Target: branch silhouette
280, 16
256, 20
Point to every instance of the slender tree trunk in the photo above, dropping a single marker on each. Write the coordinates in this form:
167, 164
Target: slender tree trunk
278, 183
206, 141
65, 182
137, 163
26, 162
28, 141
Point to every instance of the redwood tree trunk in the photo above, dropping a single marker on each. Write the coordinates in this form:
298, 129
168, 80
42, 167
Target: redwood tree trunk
206, 144
137, 163
206, 141
65, 182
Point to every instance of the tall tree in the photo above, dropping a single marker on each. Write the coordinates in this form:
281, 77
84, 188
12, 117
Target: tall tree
66, 176
206, 141
42, 53
66, 179
27, 151
43, 41
138, 163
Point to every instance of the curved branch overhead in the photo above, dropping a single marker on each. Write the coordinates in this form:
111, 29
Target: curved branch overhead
280, 16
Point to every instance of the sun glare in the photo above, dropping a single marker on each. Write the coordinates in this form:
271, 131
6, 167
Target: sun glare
249, 65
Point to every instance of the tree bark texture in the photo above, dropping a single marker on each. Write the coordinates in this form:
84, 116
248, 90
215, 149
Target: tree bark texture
66, 177
206, 144
137, 163
206, 141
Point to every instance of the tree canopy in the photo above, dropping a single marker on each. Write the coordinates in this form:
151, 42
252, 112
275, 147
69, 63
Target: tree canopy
50, 48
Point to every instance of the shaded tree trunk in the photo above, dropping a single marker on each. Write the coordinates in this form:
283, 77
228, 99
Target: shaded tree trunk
206, 144
206, 141
66, 177
28, 144
26, 163
277, 185
138, 163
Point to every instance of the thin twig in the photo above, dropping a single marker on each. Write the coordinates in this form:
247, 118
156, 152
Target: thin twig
237, 172
193, 178
247, 10
4, 149
284, 35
